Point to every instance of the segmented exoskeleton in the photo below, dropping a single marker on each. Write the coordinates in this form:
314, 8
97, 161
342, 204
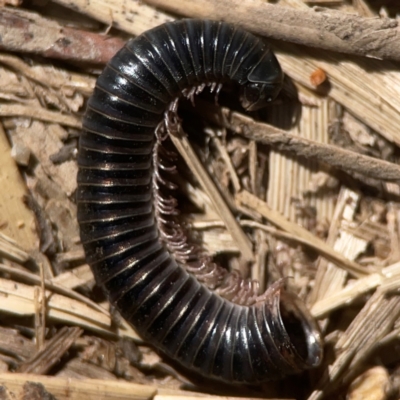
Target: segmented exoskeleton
167, 305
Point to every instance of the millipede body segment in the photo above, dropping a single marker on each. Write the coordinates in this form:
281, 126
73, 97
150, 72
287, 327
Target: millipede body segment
167, 305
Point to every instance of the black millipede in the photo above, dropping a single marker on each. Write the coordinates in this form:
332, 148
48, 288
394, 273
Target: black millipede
153, 291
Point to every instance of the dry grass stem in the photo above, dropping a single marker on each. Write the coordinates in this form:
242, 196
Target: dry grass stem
254, 203
228, 162
78, 276
10, 250
163, 394
329, 279
19, 299
362, 86
77, 389
51, 285
41, 114
63, 81
371, 325
184, 148
388, 280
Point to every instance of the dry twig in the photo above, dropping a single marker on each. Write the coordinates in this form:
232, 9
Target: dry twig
320, 28
25, 31
324, 153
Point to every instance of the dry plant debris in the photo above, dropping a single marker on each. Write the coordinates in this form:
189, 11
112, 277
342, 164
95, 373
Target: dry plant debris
308, 189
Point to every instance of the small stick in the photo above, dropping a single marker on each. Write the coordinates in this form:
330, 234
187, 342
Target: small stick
332, 155
26, 31
41, 114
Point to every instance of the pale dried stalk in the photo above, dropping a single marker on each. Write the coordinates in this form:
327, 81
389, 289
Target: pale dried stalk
49, 76
374, 322
10, 250
290, 180
40, 311
42, 114
310, 241
217, 242
96, 389
319, 2
369, 89
252, 166
197, 196
299, 4
260, 270
171, 394
330, 279
290, 190
254, 203
74, 278
77, 389
183, 146
18, 299
388, 280
71, 256
50, 285
228, 162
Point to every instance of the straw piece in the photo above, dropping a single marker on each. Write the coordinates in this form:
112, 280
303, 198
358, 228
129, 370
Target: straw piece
77, 389
254, 203
241, 240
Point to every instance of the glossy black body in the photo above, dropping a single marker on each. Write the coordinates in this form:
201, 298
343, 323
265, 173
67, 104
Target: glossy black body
165, 304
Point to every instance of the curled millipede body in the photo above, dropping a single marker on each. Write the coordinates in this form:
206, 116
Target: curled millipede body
165, 303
